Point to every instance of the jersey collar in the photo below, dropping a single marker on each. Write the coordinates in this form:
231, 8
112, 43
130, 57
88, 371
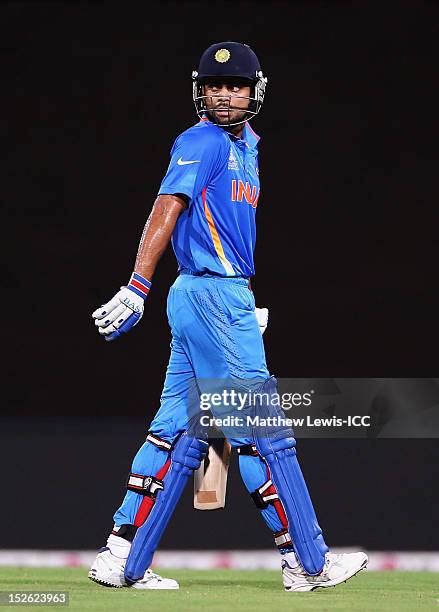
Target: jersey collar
249, 136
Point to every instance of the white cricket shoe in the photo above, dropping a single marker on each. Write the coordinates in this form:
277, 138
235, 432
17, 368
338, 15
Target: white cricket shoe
337, 568
108, 570
153, 581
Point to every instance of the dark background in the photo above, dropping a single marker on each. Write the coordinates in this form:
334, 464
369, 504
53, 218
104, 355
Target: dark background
347, 253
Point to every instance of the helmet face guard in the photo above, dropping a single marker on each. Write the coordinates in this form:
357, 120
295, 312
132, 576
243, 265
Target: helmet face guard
256, 100
227, 61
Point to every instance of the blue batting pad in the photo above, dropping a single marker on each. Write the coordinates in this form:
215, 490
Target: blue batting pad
186, 457
277, 446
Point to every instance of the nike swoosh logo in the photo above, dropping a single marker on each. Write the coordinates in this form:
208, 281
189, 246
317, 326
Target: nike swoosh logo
180, 162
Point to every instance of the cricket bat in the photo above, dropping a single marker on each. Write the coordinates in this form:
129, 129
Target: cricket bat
210, 480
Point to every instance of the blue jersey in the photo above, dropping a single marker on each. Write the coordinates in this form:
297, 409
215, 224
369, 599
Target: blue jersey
218, 173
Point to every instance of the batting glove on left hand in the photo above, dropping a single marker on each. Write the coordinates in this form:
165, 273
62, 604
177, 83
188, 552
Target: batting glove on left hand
124, 311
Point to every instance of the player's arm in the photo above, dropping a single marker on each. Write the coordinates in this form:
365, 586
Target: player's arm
185, 181
157, 233
125, 310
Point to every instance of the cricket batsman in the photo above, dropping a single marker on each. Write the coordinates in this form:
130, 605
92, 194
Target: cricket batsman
206, 206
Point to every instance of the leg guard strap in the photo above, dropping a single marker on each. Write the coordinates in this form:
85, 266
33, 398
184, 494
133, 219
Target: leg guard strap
145, 485
282, 538
148, 500
159, 442
247, 449
266, 494
127, 532
186, 457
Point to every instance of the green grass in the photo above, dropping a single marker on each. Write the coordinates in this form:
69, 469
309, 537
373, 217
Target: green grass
232, 590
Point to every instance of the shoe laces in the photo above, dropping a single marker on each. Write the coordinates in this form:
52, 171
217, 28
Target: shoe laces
331, 559
150, 575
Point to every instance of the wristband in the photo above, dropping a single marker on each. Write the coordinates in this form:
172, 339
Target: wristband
139, 285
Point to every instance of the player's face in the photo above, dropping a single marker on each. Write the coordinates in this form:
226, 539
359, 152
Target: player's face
226, 101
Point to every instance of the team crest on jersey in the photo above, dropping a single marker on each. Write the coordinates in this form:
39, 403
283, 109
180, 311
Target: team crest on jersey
233, 162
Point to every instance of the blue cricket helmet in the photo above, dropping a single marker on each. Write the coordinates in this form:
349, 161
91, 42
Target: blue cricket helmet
230, 60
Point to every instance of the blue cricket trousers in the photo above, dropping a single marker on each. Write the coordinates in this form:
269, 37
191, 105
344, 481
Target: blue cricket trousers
215, 335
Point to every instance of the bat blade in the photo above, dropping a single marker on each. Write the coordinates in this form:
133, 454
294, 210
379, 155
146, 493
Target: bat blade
210, 480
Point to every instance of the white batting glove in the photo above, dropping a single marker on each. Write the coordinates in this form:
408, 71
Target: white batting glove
124, 311
262, 318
